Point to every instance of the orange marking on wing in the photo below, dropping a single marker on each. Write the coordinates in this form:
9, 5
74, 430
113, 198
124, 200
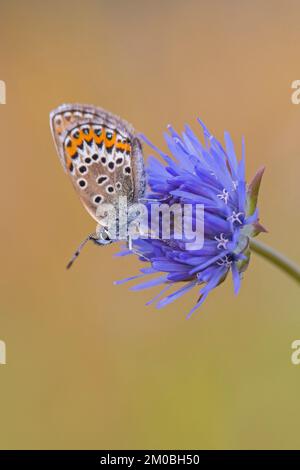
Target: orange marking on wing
89, 136
58, 129
76, 143
68, 159
110, 142
80, 138
121, 146
100, 138
72, 150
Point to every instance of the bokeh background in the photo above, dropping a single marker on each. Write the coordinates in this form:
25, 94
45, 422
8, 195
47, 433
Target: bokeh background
88, 365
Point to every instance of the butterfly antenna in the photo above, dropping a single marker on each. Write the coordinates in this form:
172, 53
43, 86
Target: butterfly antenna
78, 251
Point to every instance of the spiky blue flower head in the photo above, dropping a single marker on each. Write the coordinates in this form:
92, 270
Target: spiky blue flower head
200, 173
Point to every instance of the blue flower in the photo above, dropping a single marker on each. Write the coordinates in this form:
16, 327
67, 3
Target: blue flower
207, 174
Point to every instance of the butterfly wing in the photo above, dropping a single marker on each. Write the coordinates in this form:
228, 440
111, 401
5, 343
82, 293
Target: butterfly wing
101, 154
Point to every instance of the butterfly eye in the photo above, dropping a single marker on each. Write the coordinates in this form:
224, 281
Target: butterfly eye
104, 237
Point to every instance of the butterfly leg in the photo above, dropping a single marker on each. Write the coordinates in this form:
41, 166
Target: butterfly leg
134, 250
129, 243
149, 199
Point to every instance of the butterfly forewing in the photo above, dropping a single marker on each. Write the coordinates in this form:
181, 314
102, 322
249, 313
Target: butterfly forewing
101, 154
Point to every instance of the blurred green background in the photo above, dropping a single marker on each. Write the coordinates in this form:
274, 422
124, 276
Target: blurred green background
88, 365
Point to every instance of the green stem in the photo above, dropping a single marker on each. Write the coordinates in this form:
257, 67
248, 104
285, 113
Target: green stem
276, 258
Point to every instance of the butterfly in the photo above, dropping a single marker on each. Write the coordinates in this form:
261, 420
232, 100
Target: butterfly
103, 157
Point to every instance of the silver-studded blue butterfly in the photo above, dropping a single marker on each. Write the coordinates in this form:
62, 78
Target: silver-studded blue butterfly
102, 156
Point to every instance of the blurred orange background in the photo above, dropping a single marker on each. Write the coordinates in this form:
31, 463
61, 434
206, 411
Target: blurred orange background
88, 365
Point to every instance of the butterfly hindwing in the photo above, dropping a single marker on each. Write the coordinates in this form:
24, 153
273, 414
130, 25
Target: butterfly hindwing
101, 154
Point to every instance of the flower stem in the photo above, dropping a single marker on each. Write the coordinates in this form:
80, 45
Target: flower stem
276, 258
